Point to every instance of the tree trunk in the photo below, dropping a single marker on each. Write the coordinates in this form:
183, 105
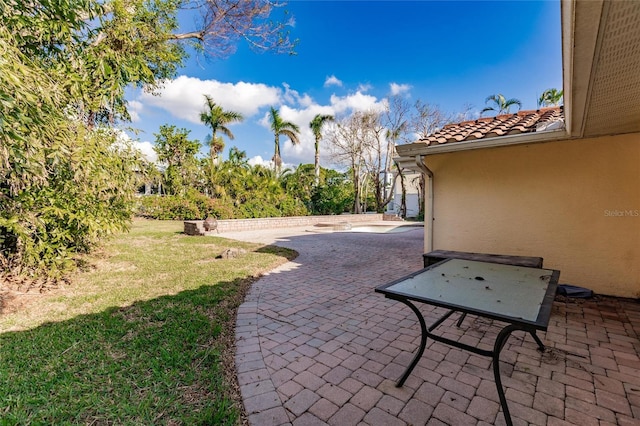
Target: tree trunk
356, 189
403, 197
356, 196
421, 195
379, 193
317, 164
276, 157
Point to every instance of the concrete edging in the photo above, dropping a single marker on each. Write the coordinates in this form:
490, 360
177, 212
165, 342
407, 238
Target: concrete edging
195, 227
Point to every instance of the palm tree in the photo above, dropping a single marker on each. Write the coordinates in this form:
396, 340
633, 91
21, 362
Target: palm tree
215, 145
238, 157
285, 128
217, 118
550, 97
502, 105
316, 127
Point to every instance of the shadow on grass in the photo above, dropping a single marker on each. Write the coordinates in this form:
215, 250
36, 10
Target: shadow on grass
287, 253
163, 361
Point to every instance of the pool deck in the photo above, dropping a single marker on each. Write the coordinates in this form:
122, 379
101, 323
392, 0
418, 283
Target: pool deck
315, 345
373, 227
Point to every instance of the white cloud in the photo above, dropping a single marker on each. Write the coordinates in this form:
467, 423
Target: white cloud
291, 96
135, 108
146, 148
304, 152
397, 89
184, 97
258, 160
356, 102
364, 87
332, 81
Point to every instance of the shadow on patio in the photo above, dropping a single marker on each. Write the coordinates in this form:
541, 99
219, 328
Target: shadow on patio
316, 345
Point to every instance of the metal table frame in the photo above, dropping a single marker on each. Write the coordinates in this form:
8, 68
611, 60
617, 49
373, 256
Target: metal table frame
513, 324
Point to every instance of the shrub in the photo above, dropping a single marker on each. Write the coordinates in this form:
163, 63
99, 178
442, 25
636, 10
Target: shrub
290, 206
192, 206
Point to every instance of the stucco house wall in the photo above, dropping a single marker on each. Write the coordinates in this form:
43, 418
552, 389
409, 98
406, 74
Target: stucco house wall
576, 203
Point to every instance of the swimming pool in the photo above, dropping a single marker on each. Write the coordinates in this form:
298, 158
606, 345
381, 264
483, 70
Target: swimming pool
367, 228
384, 229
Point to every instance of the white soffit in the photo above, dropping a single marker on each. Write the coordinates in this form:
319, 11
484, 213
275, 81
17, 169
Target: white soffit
604, 68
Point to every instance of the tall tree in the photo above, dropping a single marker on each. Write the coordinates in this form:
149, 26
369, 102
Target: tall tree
358, 142
501, 105
375, 156
238, 157
550, 97
178, 154
285, 128
66, 177
217, 118
316, 127
107, 45
63, 187
396, 119
426, 120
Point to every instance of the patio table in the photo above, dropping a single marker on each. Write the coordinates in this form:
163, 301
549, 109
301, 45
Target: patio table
521, 297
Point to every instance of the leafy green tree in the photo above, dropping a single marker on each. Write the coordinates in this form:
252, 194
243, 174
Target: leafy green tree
501, 105
334, 195
217, 118
300, 183
280, 127
67, 179
105, 46
178, 154
253, 191
550, 97
316, 127
63, 186
238, 157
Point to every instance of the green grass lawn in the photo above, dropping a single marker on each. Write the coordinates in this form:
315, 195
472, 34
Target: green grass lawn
144, 338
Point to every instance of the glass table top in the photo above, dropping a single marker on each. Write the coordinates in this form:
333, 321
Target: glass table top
504, 290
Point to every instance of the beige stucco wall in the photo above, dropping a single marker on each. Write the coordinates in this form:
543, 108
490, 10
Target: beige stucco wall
574, 203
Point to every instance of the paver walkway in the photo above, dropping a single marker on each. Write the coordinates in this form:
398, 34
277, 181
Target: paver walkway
316, 345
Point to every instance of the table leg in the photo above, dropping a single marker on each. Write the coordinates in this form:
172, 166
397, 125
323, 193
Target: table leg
501, 340
423, 342
424, 333
538, 341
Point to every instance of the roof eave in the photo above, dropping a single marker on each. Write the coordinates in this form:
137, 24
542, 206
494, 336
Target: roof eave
420, 148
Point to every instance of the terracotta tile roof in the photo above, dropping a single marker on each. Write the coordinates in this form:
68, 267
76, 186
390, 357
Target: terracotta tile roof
501, 125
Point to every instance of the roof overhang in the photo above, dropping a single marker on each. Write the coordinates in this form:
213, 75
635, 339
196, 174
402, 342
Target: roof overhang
601, 79
407, 153
601, 63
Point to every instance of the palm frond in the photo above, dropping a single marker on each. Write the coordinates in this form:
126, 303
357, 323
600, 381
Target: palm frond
293, 136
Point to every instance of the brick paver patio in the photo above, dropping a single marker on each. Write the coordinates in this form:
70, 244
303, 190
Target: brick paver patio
316, 345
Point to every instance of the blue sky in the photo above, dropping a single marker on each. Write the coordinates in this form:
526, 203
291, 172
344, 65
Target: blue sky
352, 55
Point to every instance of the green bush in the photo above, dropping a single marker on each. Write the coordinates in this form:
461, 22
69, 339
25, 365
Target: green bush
290, 206
196, 206
168, 207
255, 209
331, 199
192, 206
64, 184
